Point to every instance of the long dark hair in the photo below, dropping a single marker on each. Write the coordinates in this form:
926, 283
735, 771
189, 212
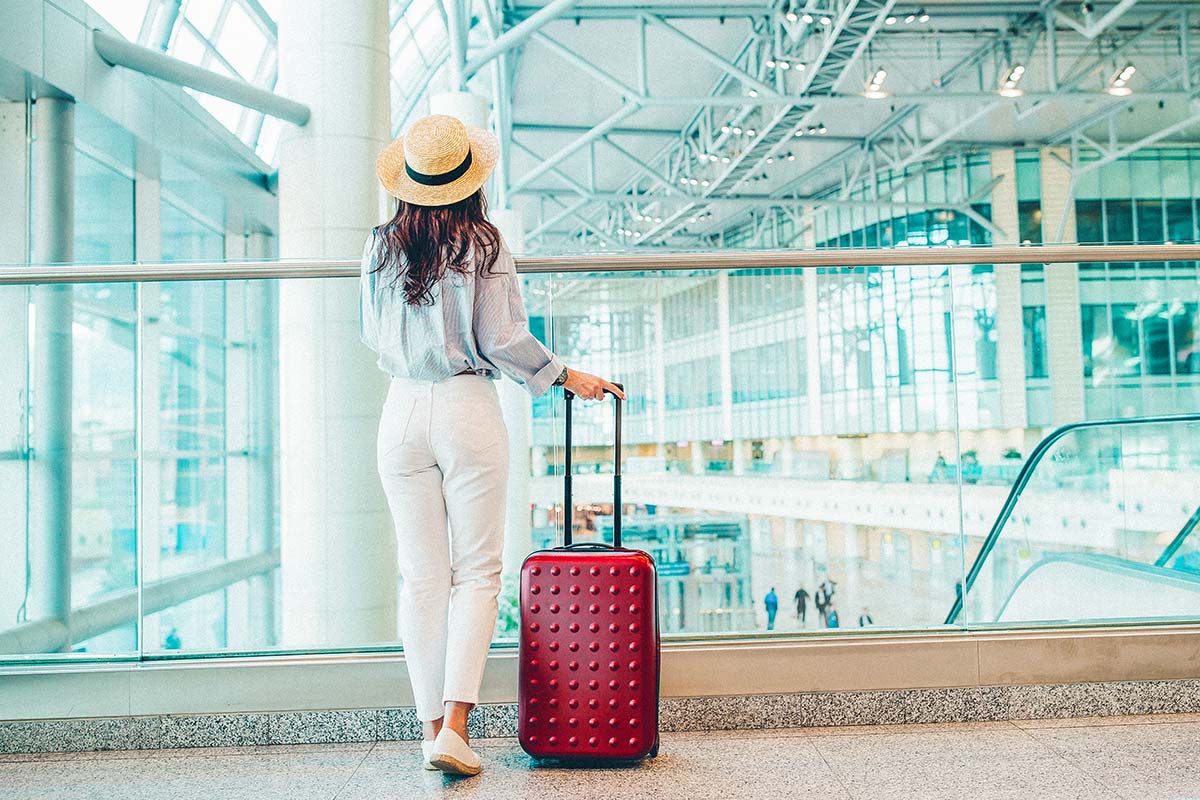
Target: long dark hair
421, 243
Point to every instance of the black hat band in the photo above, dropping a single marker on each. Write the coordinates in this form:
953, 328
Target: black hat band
443, 178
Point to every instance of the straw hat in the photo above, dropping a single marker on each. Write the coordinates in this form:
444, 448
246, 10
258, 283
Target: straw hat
439, 162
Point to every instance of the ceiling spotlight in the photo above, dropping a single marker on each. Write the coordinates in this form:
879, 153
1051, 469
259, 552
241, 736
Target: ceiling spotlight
821, 129
753, 92
724, 129
1119, 85
784, 65
799, 132
807, 19
791, 156
724, 159
683, 181
922, 16
694, 181
790, 16
704, 183
750, 131
812, 130
910, 19
770, 64
874, 89
826, 21
658, 219
890, 21
737, 130
801, 65
1008, 87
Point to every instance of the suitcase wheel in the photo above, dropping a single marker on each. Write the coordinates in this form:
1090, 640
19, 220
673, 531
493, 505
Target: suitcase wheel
654, 749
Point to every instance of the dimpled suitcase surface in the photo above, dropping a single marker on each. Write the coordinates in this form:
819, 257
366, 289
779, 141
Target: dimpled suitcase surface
589, 644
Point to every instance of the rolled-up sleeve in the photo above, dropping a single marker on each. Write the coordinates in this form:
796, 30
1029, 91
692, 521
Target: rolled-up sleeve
501, 329
368, 323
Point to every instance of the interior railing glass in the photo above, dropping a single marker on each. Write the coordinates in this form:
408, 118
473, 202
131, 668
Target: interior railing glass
187, 450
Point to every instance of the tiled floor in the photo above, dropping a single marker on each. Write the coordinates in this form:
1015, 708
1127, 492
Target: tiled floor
1092, 759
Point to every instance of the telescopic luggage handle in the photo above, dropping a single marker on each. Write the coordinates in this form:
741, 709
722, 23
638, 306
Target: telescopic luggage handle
568, 508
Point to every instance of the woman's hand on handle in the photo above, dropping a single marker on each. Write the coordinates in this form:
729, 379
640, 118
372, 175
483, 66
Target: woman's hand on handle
589, 387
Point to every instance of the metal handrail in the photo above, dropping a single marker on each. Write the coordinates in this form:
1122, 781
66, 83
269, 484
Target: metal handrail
643, 261
1169, 552
1014, 495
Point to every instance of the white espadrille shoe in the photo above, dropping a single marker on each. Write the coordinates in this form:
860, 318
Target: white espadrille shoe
427, 753
454, 756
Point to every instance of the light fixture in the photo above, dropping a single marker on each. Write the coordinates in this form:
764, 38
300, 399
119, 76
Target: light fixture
890, 21
910, 19
1008, 87
822, 129
826, 21
724, 129
737, 131
704, 183
694, 181
753, 92
683, 181
724, 159
658, 219
791, 156
784, 65
799, 132
874, 89
923, 16
750, 131
1119, 85
800, 65
770, 64
807, 19
790, 16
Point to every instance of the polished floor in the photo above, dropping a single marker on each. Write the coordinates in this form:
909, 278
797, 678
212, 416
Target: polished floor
1091, 759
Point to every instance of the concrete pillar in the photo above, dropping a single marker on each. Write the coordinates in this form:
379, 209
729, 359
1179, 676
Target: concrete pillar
699, 463
1010, 321
812, 335
14, 332
787, 456
50, 474
726, 353
1064, 338
338, 550
739, 456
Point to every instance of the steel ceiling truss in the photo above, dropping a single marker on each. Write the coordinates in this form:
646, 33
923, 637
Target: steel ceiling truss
683, 183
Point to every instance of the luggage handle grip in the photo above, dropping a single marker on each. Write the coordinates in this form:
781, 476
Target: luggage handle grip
568, 506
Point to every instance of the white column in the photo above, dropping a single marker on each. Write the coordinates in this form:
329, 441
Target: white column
1010, 323
726, 356
739, 456
338, 548
698, 460
1064, 339
787, 456
812, 333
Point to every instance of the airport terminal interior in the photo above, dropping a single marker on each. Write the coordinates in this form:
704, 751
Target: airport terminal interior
905, 298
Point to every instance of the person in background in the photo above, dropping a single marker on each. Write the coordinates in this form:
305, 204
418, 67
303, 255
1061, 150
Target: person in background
864, 619
821, 600
831, 617
801, 604
771, 601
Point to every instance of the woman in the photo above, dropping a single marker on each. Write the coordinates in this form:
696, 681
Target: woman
441, 305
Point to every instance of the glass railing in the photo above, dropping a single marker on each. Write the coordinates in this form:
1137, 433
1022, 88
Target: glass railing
187, 451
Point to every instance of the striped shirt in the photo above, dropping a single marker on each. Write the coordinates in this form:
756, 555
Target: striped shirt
476, 322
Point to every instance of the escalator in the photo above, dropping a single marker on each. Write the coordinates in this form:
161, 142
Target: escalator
1100, 526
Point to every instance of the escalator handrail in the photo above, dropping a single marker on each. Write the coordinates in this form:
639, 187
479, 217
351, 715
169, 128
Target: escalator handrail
1177, 542
1027, 470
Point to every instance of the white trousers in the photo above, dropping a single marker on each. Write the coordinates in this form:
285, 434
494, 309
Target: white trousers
443, 459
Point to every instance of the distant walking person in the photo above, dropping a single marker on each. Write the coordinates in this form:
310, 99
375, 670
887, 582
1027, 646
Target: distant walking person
864, 619
821, 601
801, 604
771, 601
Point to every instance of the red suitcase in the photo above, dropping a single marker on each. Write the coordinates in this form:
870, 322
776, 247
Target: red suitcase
589, 646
